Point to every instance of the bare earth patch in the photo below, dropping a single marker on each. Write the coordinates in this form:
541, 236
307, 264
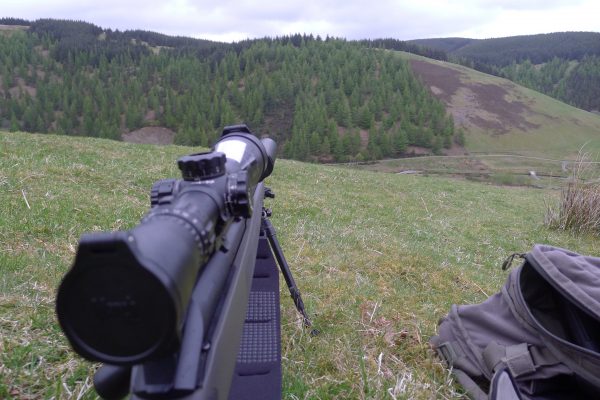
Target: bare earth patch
150, 135
446, 81
485, 106
413, 151
22, 87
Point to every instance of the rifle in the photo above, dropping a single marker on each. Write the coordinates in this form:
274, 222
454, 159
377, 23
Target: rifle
166, 304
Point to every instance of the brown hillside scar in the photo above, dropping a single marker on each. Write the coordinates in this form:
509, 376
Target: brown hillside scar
485, 106
446, 81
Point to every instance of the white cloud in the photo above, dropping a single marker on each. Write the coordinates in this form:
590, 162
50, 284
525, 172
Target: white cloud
579, 16
228, 20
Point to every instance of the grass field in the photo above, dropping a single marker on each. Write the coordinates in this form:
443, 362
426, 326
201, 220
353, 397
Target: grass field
379, 259
500, 169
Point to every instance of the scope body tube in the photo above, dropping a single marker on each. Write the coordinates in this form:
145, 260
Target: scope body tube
126, 297
203, 304
227, 330
206, 358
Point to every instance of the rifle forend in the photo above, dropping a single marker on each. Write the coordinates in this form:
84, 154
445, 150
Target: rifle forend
163, 296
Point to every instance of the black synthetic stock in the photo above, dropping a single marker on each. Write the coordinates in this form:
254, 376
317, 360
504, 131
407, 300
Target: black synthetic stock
258, 368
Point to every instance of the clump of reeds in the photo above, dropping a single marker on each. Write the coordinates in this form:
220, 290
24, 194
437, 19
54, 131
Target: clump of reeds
578, 208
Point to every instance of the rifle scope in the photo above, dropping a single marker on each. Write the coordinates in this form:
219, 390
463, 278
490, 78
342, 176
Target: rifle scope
124, 301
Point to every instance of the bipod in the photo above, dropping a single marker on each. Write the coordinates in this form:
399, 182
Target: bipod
269, 230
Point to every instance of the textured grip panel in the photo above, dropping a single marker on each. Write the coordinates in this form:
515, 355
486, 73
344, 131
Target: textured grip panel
258, 368
260, 336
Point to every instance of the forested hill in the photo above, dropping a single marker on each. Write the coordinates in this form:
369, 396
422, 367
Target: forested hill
323, 99
535, 48
564, 65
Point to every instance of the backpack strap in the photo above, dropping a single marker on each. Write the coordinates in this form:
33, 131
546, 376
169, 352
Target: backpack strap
469, 385
451, 353
520, 359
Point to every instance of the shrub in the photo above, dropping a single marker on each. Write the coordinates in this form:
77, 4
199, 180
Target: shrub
579, 204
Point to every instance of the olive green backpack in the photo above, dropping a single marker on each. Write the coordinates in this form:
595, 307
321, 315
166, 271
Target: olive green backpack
539, 338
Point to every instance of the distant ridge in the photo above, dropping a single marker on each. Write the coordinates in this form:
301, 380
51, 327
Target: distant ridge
536, 48
449, 45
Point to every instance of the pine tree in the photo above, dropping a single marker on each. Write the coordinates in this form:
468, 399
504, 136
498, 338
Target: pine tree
366, 120
325, 148
399, 142
436, 145
29, 119
459, 137
315, 143
373, 149
14, 123
338, 149
88, 120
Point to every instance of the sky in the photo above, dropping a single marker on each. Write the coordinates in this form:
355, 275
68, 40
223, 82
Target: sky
227, 20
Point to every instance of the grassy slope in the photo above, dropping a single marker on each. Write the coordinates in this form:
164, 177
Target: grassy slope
379, 259
562, 130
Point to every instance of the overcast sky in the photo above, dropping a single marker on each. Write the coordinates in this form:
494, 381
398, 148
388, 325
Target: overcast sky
228, 20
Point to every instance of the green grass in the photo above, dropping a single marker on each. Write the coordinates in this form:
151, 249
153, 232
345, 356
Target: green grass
499, 169
563, 129
378, 257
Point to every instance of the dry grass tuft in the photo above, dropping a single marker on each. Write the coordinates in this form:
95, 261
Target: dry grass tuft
578, 209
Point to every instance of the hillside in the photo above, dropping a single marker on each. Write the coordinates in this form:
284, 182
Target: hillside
379, 259
576, 82
322, 99
506, 50
498, 115
564, 65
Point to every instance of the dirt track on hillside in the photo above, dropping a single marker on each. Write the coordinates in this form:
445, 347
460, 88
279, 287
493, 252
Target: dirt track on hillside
485, 106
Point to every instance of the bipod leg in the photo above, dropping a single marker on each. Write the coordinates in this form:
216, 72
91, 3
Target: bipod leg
269, 230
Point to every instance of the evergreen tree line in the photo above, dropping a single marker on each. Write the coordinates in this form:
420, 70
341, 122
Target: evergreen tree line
14, 21
77, 37
399, 45
321, 99
574, 82
447, 45
501, 52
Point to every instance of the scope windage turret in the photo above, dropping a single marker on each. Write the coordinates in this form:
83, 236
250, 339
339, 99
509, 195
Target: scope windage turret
125, 298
